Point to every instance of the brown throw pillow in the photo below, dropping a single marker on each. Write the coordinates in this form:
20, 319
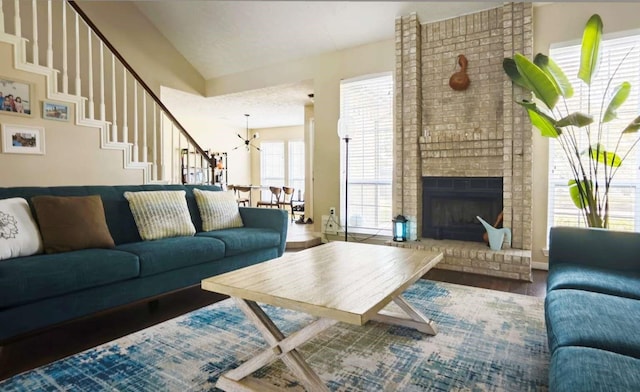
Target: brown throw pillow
72, 223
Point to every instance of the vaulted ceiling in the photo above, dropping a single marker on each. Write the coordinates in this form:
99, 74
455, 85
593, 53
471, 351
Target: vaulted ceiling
225, 37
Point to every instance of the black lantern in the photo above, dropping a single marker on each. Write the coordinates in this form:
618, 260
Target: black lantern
399, 228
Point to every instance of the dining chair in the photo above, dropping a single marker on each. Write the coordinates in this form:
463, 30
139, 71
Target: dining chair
287, 199
275, 198
243, 195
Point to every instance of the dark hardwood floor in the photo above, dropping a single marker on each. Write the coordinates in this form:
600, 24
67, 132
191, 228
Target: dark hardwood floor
74, 337
77, 336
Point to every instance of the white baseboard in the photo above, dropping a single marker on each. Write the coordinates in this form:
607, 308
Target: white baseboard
540, 266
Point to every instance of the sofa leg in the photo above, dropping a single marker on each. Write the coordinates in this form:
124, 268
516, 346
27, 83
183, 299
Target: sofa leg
153, 305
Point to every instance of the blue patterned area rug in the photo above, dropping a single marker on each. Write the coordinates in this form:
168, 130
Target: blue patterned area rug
487, 341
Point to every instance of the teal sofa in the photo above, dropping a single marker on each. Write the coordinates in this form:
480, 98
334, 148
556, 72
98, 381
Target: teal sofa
43, 290
592, 310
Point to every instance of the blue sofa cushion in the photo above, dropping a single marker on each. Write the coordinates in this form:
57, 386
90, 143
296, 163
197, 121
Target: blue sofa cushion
588, 319
174, 253
28, 279
588, 369
244, 239
597, 279
606, 248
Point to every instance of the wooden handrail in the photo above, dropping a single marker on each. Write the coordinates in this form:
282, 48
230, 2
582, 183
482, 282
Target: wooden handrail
130, 69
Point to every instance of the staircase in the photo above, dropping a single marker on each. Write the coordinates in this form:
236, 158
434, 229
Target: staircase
55, 39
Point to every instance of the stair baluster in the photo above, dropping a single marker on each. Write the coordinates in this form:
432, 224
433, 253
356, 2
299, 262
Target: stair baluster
18, 23
34, 39
114, 106
65, 51
49, 35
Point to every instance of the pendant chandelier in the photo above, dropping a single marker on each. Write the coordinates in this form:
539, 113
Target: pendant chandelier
247, 141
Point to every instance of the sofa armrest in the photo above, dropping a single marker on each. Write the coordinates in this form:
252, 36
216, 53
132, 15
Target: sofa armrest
595, 247
267, 218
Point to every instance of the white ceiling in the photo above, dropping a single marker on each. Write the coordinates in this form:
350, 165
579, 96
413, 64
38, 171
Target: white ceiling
225, 37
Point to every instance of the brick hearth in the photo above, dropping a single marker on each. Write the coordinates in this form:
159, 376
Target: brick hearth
476, 257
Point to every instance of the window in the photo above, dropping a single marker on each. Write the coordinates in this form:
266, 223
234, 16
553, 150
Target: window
624, 194
273, 162
367, 103
296, 168
271, 166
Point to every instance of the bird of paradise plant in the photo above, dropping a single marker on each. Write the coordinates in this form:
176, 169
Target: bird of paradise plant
591, 164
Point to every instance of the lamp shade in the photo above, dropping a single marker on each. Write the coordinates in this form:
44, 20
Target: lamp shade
343, 128
400, 228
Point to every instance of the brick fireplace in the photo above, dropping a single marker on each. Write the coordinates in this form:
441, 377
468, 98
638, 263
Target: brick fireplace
476, 133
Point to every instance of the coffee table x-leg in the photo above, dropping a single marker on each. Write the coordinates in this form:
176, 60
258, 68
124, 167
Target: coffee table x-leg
284, 348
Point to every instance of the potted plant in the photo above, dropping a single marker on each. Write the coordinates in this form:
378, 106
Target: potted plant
580, 135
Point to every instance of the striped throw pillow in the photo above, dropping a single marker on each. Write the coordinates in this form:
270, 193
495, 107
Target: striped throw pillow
160, 214
218, 210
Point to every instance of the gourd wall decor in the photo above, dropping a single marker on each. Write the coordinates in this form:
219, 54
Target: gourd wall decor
459, 81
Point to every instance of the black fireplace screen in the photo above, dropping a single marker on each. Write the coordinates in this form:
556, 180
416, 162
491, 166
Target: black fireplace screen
450, 206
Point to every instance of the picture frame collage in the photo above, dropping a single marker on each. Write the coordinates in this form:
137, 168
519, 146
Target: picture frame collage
17, 99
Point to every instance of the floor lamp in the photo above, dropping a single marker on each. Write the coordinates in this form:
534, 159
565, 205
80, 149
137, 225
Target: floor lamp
343, 133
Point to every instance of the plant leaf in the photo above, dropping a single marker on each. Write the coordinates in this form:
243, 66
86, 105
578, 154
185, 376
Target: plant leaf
528, 104
555, 73
538, 106
598, 153
576, 119
542, 85
574, 191
541, 120
544, 123
590, 52
633, 126
510, 68
620, 95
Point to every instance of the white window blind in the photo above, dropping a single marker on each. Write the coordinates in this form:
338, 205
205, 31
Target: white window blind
296, 168
271, 166
368, 104
624, 195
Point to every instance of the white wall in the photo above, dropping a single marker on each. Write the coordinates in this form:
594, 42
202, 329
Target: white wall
326, 71
72, 153
143, 46
210, 132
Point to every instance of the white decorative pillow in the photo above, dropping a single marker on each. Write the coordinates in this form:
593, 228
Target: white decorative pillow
218, 209
160, 214
19, 234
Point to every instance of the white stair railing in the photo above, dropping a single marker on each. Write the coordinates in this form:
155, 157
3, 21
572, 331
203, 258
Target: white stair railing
107, 92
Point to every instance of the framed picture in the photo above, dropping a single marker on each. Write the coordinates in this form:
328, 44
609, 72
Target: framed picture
55, 111
22, 139
15, 97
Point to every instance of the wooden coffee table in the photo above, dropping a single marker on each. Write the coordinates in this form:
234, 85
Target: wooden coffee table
338, 281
